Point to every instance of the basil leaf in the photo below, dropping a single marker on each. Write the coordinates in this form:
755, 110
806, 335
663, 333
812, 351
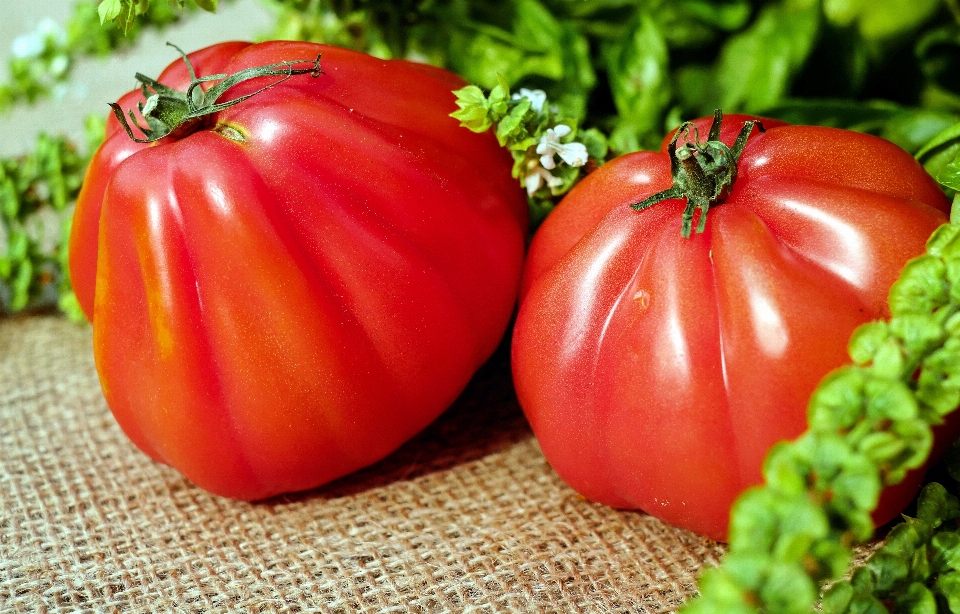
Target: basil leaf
757, 66
637, 67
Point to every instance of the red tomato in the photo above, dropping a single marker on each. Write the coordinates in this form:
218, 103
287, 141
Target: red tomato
657, 371
274, 313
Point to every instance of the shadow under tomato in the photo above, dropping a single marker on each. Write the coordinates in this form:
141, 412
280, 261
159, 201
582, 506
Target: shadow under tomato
484, 419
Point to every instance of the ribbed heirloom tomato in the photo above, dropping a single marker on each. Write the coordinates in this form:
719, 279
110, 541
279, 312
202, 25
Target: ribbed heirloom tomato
286, 289
657, 370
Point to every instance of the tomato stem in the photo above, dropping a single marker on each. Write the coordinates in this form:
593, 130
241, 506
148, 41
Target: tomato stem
170, 112
702, 171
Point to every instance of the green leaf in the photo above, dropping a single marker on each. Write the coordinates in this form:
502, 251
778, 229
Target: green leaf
920, 565
534, 47
879, 20
724, 15
789, 589
890, 399
947, 137
838, 402
535, 26
889, 360
208, 5
843, 12
863, 601
919, 333
858, 483
637, 66
9, 199
888, 570
881, 447
866, 341
757, 66
945, 548
948, 587
754, 521
21, 286
785, 469
937, 52
950, 175
935, 505
917, 600
921, 287
18, 244
803, 523
579, 78
902, 541
109, 10
945, 241
833, 559
837, 599
720, 591
918, 437
511, 127
474, 113
863, 581
69, 305
748, 568
595, 142
828, 454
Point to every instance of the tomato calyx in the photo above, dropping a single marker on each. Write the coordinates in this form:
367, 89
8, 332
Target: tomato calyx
170, 112
702, 171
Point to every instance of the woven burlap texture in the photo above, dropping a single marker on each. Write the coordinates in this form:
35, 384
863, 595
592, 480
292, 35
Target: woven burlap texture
467, 517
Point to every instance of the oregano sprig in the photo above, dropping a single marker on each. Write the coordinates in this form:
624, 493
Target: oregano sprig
869, 423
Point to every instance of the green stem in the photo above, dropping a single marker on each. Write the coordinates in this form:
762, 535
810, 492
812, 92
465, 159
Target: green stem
170, 112
703, 172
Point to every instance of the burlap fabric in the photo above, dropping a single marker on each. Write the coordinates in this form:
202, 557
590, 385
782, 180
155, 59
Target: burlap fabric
467, 517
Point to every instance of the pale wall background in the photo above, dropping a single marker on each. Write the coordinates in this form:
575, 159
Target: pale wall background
98, 81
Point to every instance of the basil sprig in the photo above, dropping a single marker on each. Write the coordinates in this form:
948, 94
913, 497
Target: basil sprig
869, 424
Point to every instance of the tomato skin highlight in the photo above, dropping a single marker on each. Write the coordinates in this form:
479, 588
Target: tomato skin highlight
274, 312
658, 371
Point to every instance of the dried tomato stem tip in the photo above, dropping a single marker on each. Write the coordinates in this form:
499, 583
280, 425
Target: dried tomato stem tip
170, 112
702, 171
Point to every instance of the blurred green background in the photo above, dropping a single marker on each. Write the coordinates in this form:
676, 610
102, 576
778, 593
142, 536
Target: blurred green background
97, 81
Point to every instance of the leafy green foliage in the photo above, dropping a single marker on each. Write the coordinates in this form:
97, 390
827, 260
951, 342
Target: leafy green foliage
124, 13
633, 68
756, 66
36, 193
43, 59
917, 567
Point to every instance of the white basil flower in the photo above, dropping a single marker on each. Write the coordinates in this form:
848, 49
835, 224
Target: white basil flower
574, 154
537, 98
536, 176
